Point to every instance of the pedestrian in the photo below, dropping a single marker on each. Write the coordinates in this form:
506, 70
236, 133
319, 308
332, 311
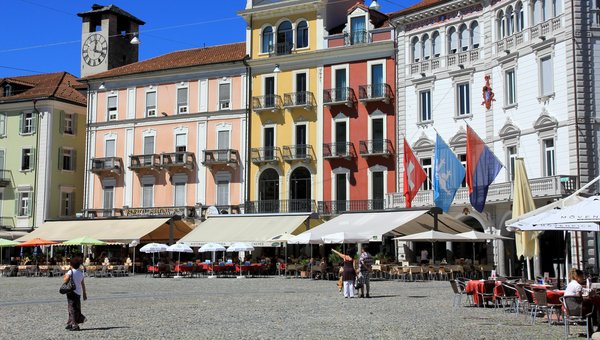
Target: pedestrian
349, 273
424, 257
365, 267
74, 298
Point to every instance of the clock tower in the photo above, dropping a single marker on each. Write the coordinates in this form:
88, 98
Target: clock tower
106, 39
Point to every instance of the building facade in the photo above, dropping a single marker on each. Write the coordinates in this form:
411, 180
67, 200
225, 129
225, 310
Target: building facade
42, 138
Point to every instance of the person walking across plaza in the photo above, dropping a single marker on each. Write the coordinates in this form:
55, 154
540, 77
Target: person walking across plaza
74, 297
424, 257
349, 273
365, 267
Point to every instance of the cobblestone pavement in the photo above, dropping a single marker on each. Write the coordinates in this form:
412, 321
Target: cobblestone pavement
254, 308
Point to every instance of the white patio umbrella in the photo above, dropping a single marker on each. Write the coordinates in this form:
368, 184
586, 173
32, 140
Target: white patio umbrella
305, 238
431, 236
477, 236
586, 211
179, 248
211, 247
344, 237
153, 248
240, 246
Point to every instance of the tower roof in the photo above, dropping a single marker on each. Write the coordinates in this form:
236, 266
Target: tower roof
110, 9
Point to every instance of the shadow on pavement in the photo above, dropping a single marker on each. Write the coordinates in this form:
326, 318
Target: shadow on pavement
102, 328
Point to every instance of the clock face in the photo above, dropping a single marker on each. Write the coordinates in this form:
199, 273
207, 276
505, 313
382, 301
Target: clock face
94, 50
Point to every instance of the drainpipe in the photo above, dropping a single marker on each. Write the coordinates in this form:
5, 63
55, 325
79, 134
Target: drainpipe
87, 149
37, 158
248, 120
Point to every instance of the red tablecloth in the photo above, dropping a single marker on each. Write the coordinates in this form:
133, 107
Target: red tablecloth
476, 286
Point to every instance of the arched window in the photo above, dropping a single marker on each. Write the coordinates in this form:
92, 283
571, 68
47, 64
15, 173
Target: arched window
501, 20
416, 49
475, 34
537, 12
268, 191
519, 17
464, 37
452, 40
426, 47
300, 190
510, 21
285, 38
558, 7
548, 9
302, 35
436, 44
267, 40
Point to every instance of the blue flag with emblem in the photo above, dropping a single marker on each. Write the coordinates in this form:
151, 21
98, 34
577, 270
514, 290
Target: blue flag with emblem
448, 174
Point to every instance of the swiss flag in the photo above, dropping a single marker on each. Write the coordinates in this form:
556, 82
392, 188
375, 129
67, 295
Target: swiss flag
414, 175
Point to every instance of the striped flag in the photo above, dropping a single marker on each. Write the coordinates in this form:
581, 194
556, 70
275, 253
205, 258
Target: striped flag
482, 169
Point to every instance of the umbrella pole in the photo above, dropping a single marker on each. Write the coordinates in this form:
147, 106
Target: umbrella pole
133, 267
432, 253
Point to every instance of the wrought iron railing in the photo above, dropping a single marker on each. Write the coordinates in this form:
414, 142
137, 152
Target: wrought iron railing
148, 161
266, 102
221, 157
178, 159
339, 150
339, 95
375, 92
106, 164
380, 147
337, 207
298, 99
265, 154
299, 152
279, 206
357, 37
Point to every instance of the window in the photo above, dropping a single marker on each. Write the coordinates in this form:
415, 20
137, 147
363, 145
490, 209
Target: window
548, 150
436, 44
302, 35
285, 38
341, 191
224, 96
67, 208
341, 91
111, 107
501, 21
222, 192
269, 91
2, 159
67, 159
341, 138
147, 195
377, 189
463, 99
416, 49
7, 90
148, 158
511, 154
68, 123
109, 148
301, 96
2, 124
108, 196
475, 35
463, 34
267, 40
519, 17
510, 86
548, 9
26, 159
463, 161
151, 104
182, 100
27, 123
179, 191
537, 12
546, 78
23, 204
427, 167
269, 142
358, 33
377, 81
425, 105
426, 47
453, 40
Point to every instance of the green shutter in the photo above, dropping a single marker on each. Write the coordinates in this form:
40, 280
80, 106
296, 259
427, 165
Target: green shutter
60, 156
34, 119
17, 200
73, 159
29, 203
72, 212
62, 122
74, 123
32, 159
21, 122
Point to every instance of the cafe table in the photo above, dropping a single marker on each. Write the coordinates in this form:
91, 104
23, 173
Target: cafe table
475, 287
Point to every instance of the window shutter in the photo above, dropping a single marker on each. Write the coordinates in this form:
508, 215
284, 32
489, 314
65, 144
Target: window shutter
32, 159
21, 122
34, 119
74, 123
29, 203
60, 158
62, 122
17, 201
182, 96
2, 124
73, 159
2, 159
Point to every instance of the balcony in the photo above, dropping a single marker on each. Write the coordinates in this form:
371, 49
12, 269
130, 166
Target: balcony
221, 209
184, 211
303, 99
107, 165
300, 152
375, 92
382, 147
226, 157
462, 58
339, 150
357, 37
5, 178
151, 162
182, 160
265, 155
337, 207
7, 223
425, 66
269, 102
103, 213
339, 96
543, 187
283, 48
279, 206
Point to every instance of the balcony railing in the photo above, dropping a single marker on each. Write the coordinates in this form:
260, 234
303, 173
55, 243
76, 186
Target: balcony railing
178, 160
425, 66
7, 223
109, 212
145, 162
184, 211
339, 150
267, 102
357, 37
337, 207
283, 48
300, 152
5, 178
229, 157
222, 209
462, 58
339, 95
543, 187
375, 92
382, 147
267, 154
299, 99
112, 165
279, 206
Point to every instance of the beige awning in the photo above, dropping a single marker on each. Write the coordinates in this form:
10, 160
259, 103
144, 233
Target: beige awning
394, 223
258, 230
122, 230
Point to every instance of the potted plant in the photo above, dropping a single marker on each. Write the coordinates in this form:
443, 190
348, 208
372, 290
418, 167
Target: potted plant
303, 264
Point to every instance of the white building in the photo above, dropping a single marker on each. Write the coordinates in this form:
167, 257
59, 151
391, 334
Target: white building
539, 61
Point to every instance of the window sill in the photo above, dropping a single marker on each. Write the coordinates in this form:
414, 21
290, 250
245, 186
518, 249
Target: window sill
67, 170
26, 134
68, 134
26, 170
302, 48
511, 106
425, 123
22, 217
546, 98
467, 116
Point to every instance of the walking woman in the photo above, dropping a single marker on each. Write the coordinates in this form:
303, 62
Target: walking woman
349, 273
74, 298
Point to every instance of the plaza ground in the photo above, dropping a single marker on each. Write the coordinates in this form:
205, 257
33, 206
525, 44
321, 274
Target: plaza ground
255, 308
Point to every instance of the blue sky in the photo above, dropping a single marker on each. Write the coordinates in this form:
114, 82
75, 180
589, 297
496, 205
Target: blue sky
45, 36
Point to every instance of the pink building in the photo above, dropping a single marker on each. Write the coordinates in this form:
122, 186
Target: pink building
167, 135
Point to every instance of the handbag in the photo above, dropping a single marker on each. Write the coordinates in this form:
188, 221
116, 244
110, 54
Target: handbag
67, 287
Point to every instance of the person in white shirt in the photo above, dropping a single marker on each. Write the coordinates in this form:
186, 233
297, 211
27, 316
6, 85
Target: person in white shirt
574, 288
73, 298
424, 256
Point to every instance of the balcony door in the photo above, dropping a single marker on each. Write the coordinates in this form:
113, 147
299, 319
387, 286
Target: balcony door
269, 143
269, 92
340, 85
180, 147
268, 191
377, 80
148, 149
301, 141
222, 144
359, 31
377, 189
301, 89
377, 135
340, 192
109, 152
300, 193
341, 148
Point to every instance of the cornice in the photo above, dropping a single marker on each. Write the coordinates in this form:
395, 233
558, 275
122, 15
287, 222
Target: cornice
433, 11
277, 9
